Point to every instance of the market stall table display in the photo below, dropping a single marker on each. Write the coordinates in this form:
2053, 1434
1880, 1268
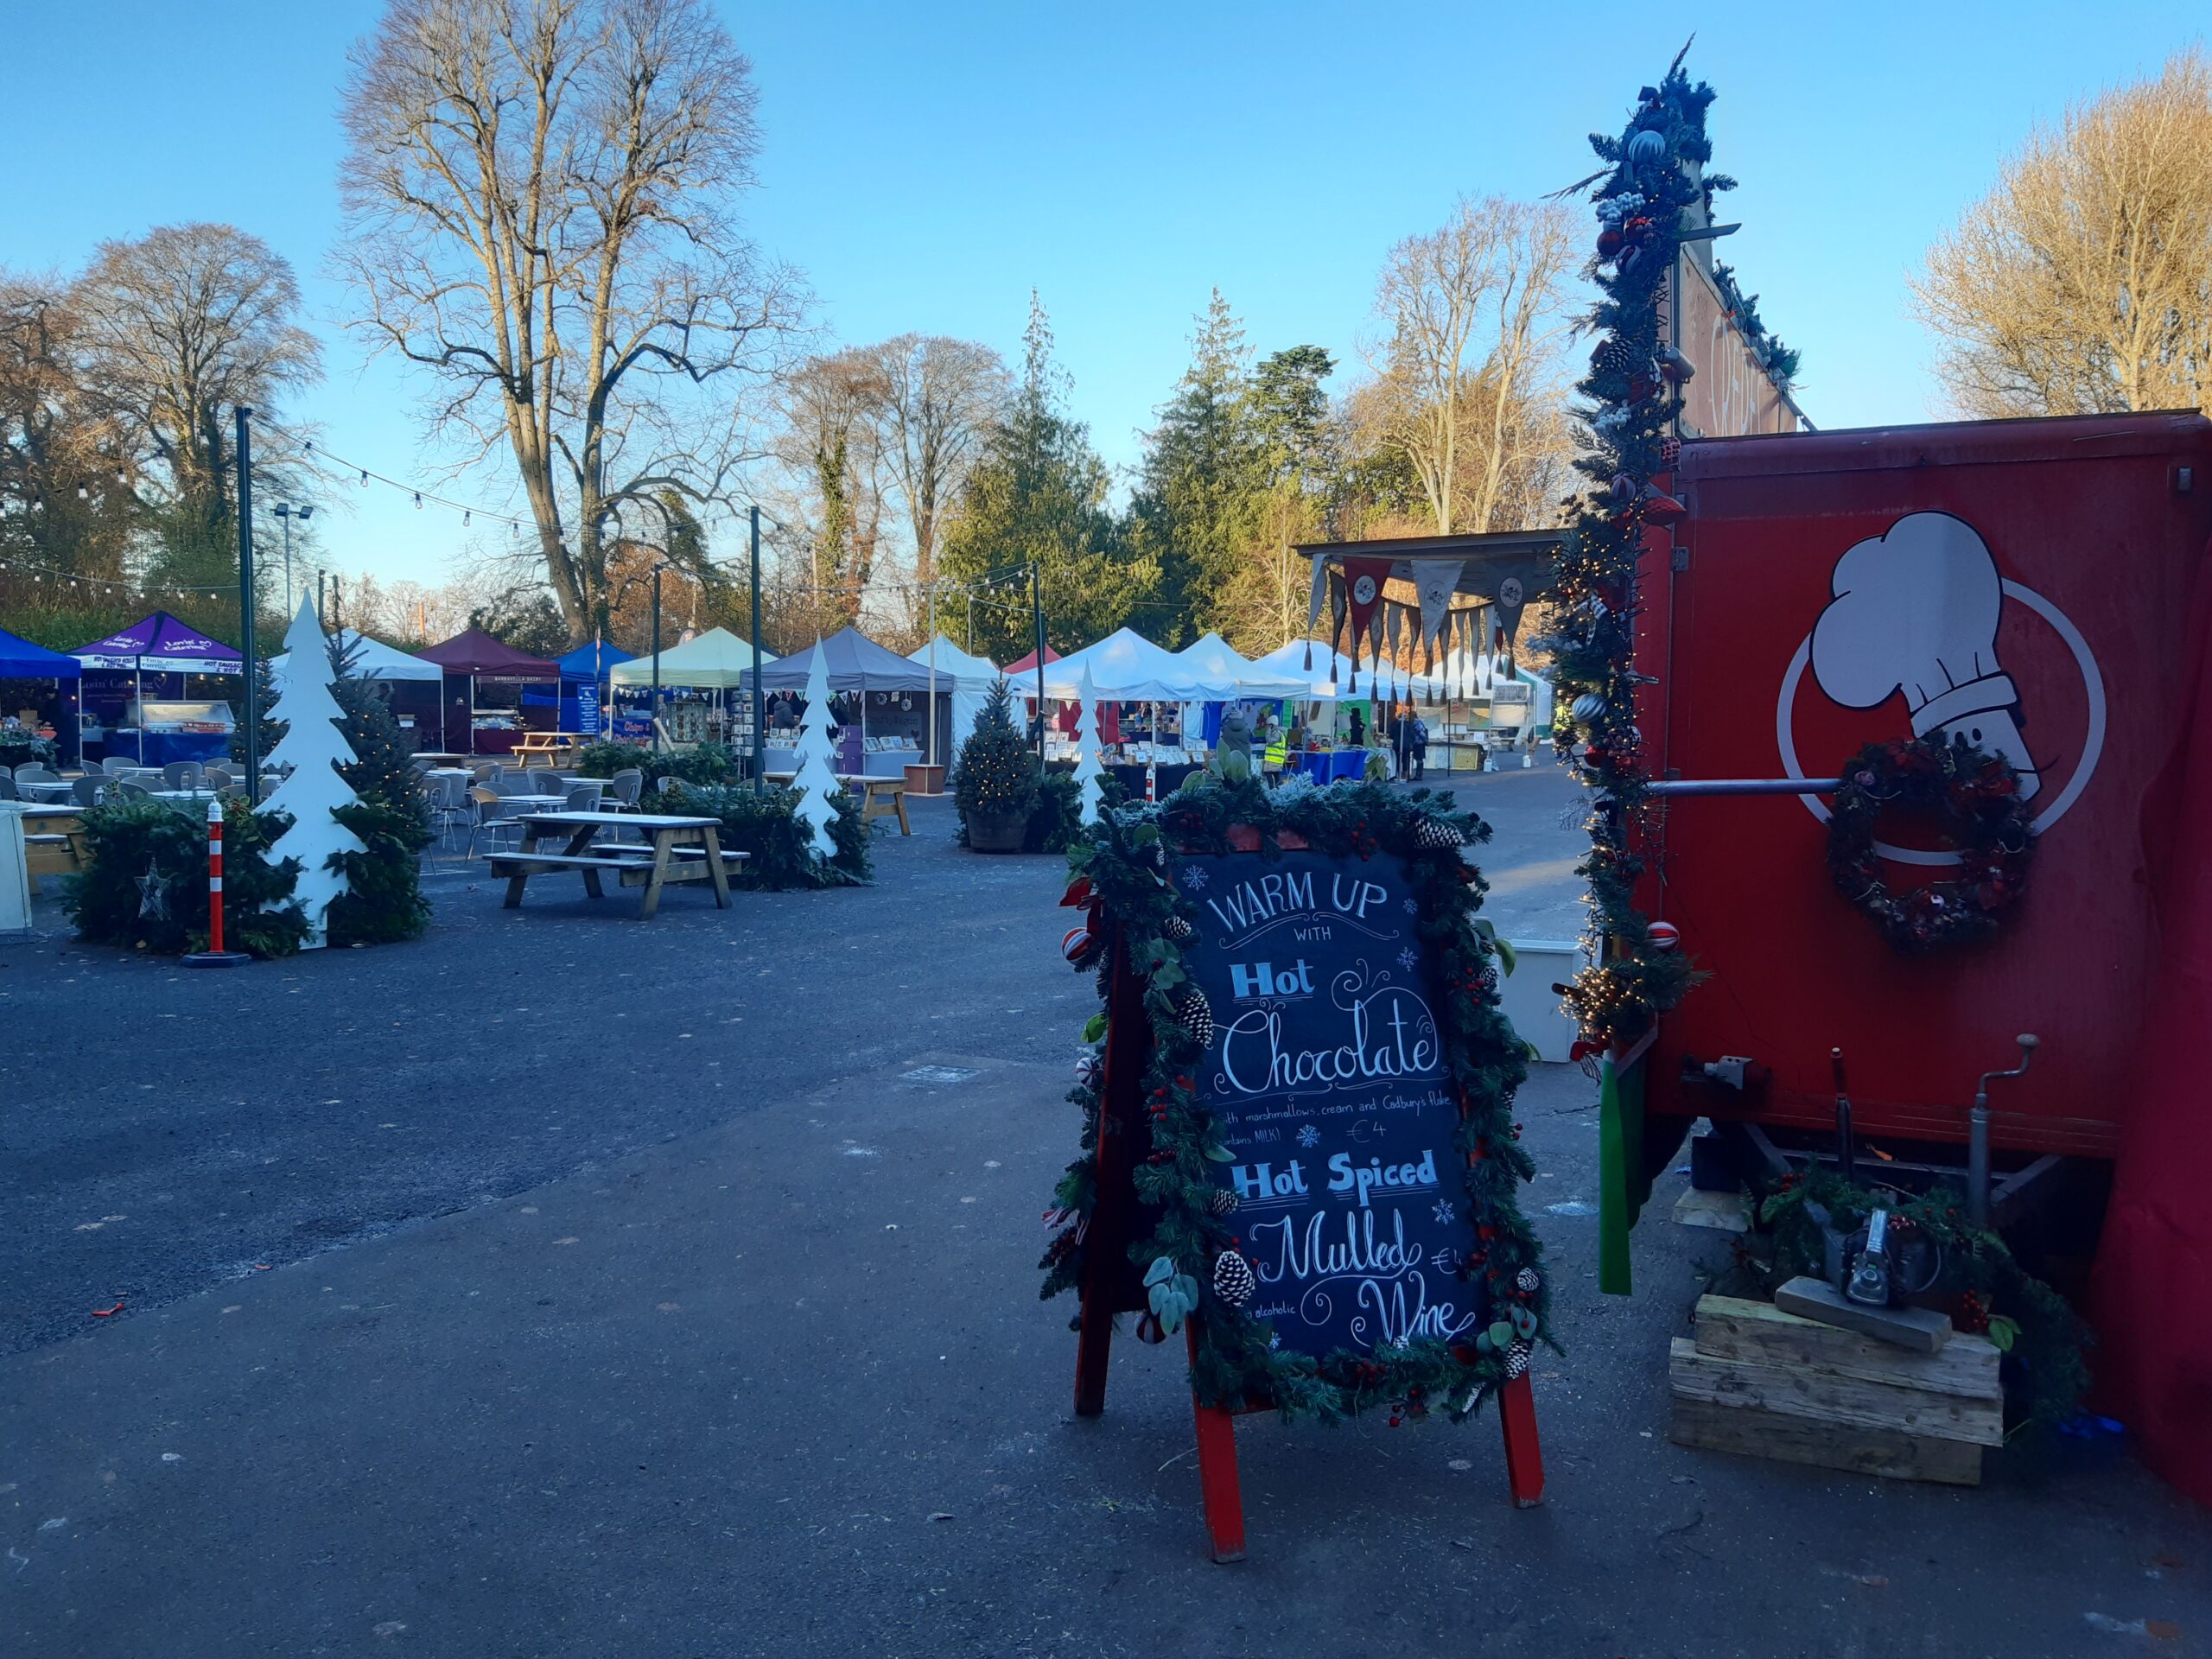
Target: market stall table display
1329, 766
474, 658
674, 849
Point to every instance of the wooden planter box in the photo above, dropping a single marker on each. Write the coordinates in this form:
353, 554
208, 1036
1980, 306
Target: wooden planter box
924, 781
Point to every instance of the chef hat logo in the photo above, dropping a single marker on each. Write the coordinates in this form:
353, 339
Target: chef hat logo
1916, 610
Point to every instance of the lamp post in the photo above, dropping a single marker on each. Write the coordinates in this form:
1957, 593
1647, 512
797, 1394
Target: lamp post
759, 737
245, 604
286, 513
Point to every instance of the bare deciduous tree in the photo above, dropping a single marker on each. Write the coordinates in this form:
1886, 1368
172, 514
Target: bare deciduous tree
2082, 283
176, 330
540, 197
833, 408
940, 396
1472, 318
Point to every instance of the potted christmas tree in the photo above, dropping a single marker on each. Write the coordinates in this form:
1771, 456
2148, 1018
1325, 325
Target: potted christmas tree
994, 784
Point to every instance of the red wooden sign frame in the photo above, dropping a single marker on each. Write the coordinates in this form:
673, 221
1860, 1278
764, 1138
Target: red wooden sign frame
1111, 1285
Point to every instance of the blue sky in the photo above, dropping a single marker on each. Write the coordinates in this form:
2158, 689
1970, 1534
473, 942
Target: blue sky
927, 165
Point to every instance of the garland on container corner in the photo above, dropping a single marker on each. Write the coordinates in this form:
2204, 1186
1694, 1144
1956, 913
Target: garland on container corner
1633, 390
1121, 879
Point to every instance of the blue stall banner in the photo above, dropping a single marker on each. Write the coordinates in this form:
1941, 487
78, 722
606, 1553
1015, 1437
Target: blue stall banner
588, 710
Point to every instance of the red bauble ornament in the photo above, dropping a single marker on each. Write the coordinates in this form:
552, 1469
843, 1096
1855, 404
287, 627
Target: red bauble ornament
1642, 388
1665, 936
1670, 452
1660, 508
1610, 243
1638, 231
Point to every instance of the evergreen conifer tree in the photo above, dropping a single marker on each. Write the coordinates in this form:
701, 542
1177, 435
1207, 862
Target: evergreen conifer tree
997, 772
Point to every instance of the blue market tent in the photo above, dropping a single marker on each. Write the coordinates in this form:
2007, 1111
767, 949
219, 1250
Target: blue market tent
585, 705
22, 660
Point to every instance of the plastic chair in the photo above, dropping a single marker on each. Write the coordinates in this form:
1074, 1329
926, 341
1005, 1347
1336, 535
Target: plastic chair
581, 798
8, 790
183, 774
216, 777
31, 772
625, 786
87, 791
491, 817
127, 792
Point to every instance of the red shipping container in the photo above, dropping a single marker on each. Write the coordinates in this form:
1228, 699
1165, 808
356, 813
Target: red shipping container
2026, 582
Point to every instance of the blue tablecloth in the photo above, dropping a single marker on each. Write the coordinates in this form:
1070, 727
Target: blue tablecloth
163, 747
1330, 765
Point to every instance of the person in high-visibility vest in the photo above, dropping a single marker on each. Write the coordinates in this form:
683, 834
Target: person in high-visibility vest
1276, 755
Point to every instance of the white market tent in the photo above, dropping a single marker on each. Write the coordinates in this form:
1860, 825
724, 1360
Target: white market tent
373, 660
716, 661
1228, 676
1125, 667
971, 678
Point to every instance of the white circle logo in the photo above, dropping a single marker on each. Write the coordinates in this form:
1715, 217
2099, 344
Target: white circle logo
2093, 739
1363, 590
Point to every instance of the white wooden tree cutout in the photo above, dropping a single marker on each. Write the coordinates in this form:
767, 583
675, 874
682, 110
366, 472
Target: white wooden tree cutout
815, 763
1089, 768
314, 748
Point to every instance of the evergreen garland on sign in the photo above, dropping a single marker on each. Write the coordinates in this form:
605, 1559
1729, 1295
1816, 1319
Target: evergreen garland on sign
1121, 874
1633, 398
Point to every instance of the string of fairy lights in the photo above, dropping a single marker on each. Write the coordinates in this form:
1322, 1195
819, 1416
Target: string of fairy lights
985, 590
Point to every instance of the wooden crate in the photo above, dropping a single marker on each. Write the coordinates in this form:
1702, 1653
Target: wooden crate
1764, 1383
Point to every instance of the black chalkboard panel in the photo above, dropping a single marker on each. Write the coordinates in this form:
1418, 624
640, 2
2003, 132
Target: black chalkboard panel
1327, 1072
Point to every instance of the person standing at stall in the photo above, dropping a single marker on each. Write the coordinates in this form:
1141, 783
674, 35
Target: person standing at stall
1419, 747
1401, 739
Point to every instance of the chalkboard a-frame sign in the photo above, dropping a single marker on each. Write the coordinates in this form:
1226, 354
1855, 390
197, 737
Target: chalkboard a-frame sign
1297, 1148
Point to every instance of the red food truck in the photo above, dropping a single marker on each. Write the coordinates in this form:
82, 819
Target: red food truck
2025, 584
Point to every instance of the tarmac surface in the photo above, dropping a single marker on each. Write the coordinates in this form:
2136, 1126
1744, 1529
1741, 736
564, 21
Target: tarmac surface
564, 1286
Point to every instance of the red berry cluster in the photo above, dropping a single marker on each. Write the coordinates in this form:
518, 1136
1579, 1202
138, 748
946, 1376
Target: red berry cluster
1974, 1312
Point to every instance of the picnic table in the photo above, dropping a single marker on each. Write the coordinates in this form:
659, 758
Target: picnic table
881, 797
549, 744
674, 849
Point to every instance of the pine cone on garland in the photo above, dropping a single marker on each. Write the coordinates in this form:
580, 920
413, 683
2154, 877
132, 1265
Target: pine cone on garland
1194, 1013
1178, 929
1613, 356
1223, 1203
1433, 833
1232, 1278
1527, 1281
1516, 1361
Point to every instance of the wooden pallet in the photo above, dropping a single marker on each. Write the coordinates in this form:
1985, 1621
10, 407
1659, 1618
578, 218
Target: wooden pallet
1764, 1383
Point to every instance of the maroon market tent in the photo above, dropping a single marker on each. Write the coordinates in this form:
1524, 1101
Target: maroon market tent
474, 655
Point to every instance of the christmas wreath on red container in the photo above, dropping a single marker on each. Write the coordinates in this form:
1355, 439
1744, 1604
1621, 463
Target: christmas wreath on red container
1975, 799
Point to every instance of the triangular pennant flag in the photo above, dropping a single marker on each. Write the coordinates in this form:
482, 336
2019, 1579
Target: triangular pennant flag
1313, 604
1363, 579
1437, 580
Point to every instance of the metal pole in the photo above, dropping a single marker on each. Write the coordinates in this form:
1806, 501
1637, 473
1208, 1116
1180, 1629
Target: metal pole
655, 708
759, 716
1037, 616
245, 608
932, 618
